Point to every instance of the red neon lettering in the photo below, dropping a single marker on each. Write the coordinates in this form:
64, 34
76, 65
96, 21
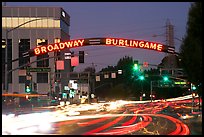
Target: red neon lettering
81, 42
159, 47
43, 49
108, 41
121, 42
56, 47
126, 43
153, 46
135, 43
115, 41
61, 45
76, 44
69, 44
141, 44
146, 45
130, 43
37, 51
50, 48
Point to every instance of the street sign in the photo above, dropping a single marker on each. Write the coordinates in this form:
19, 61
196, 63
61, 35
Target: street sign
38, 69
180, 82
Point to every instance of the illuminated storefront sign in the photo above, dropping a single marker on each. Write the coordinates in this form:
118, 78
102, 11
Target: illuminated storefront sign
99, 41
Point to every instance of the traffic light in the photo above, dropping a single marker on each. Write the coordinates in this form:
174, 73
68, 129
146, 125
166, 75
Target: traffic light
141, 77
28, 89
71, 93
165, 78
193, 87
145, 64
27, 86
81, 56
136, 65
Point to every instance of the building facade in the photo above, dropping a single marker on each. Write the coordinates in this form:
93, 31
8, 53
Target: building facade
28, 27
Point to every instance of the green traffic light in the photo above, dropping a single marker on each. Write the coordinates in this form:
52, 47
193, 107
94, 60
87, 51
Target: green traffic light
141, 77
28, 89
193, 88
135, 67
165, 78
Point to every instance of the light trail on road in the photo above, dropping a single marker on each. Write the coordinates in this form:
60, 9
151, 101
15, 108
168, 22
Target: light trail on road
117, 118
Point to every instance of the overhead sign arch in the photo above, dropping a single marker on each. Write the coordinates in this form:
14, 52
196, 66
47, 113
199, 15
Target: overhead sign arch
118, 42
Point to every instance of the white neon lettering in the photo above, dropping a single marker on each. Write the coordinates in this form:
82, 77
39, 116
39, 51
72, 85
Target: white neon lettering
126, 43
141, 44
56, 47
50, 48
146, 45
69, 44
61, 45
135, 43
121, 42
81, 42
115, 41
43, 49
153, 46
108, 41
159, 47
37, 51
76, 44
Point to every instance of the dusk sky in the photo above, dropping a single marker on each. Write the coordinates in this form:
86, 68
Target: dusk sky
130, 20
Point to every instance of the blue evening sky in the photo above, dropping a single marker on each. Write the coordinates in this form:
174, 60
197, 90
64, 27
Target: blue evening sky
130, 20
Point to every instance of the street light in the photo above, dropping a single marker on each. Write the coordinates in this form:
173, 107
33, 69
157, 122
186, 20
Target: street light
6, 50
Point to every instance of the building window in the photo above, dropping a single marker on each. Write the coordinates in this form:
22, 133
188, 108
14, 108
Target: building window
64, 26
8, 22
45, 62
22, 79
42, 77
24, 46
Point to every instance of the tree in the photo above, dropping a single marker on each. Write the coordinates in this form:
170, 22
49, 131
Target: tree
191, 48
126, 64
90, 69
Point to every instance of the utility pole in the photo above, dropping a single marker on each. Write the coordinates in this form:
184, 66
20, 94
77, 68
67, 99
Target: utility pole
93, 77
169, 34
151, 90
169, 40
